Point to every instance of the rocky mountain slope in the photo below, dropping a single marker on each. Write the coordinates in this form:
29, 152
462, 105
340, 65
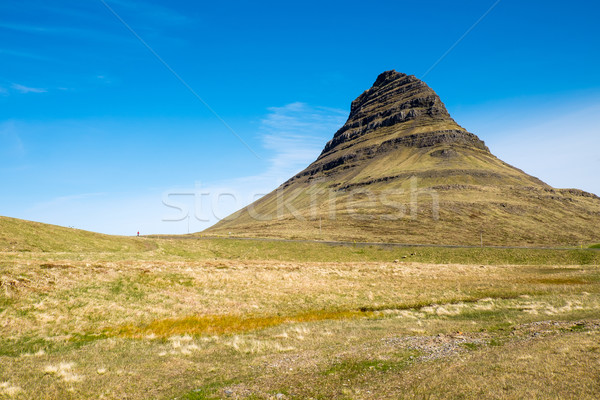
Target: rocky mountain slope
402, 170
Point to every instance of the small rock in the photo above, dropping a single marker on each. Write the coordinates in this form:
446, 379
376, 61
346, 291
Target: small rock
280, 396
396, 261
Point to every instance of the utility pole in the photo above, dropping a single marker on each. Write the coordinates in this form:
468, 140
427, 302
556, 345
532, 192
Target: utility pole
320, 226
481, 237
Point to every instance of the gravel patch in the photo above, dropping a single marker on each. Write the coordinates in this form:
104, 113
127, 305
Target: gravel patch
439, 346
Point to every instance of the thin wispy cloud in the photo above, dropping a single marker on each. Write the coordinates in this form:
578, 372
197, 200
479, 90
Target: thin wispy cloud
296, 133
26, 89
154, 12
39, 28
21, 54
22, 28
87, 13
104, 79
88, 33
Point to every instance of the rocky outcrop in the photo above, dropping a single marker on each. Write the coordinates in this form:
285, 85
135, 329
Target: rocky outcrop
420, 140
395, 98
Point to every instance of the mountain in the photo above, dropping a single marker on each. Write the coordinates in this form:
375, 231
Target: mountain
402, 170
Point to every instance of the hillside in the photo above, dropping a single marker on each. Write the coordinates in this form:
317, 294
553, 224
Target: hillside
20, 235
402, 170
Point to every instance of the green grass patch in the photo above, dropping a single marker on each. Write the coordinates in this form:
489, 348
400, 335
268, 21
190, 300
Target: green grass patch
560, 281
55, 266
32, 345
585, 257
5, 302
203, 248
78, 340
498, 327
579, 327
206, 392
351, 368
551, 270
25, 345
128, 287
179, 279
471, 346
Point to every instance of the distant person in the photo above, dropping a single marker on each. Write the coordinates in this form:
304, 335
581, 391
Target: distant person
138, 233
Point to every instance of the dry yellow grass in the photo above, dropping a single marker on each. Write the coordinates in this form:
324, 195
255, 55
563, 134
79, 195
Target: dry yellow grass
226, 324
155, 325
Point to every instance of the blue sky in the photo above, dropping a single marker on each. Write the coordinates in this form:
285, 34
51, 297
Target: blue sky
97, 133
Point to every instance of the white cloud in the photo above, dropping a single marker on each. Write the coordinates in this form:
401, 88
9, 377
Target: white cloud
26, 89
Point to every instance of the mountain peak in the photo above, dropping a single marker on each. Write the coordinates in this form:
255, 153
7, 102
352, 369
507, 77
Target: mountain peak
388, 76
397, 100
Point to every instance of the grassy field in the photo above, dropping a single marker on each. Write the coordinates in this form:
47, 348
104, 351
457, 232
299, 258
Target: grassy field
137, 318
25, 236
